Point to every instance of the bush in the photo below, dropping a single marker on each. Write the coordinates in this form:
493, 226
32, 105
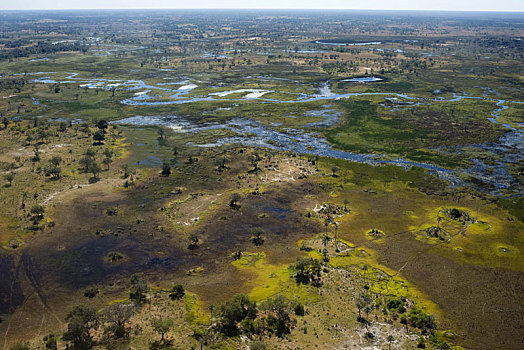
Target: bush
257, 345
417, 318
166, 169
177, 292
19, 347
50, 342
91, 292
299, 309
396, 305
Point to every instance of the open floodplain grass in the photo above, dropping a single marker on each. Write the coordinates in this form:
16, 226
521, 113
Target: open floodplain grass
413, 131
512, 115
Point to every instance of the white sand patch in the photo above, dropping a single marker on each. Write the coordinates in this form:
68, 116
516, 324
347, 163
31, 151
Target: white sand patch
142, 93
91, 85
188, 87
178, 128
252, 93
257, 94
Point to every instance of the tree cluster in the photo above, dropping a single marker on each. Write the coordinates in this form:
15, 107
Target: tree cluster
240, 315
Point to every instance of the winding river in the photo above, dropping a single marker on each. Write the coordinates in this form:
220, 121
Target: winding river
299, 140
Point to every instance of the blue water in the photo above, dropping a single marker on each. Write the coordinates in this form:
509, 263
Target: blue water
299, 141
349, 44
363, 80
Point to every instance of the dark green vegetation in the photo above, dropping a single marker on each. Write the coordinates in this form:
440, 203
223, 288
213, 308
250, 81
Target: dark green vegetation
255, 196
413, 132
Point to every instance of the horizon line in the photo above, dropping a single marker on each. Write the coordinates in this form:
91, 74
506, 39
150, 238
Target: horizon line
260, 8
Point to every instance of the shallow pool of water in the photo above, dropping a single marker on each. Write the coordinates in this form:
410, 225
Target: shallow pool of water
363, 80
348, 44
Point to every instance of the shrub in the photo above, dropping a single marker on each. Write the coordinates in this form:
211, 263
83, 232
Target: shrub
177, 292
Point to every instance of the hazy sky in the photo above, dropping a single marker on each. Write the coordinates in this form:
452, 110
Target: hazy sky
475, 5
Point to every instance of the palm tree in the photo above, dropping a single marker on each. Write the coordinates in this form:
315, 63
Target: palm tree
9, 177
325, 241
390, 339
362, 301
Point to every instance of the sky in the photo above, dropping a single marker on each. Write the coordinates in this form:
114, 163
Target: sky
461, 5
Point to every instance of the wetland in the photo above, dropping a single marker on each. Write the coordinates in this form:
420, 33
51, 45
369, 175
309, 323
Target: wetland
219, 180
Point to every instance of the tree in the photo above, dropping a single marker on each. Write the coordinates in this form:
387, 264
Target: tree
235, 198
108, 155
327, 221
161, 133
455, 213
80, 321
365, 268
346, 202
5, 121
363, 301
117, 315
9, 177
36, 156
307, 270
254, 162
166, 169
199, 334
87, 160
278, 321
390, 338
234, 311
37, 212
125, 171
299, 309
91, 292
50, 342
98, 137
177, 292
102, 125
162, 325
334, 169
139, 288
221, 163
95, 169
54, 169
256, 236
62, 126
325, 241
56, 160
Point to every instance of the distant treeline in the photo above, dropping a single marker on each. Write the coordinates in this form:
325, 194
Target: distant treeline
41, 48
